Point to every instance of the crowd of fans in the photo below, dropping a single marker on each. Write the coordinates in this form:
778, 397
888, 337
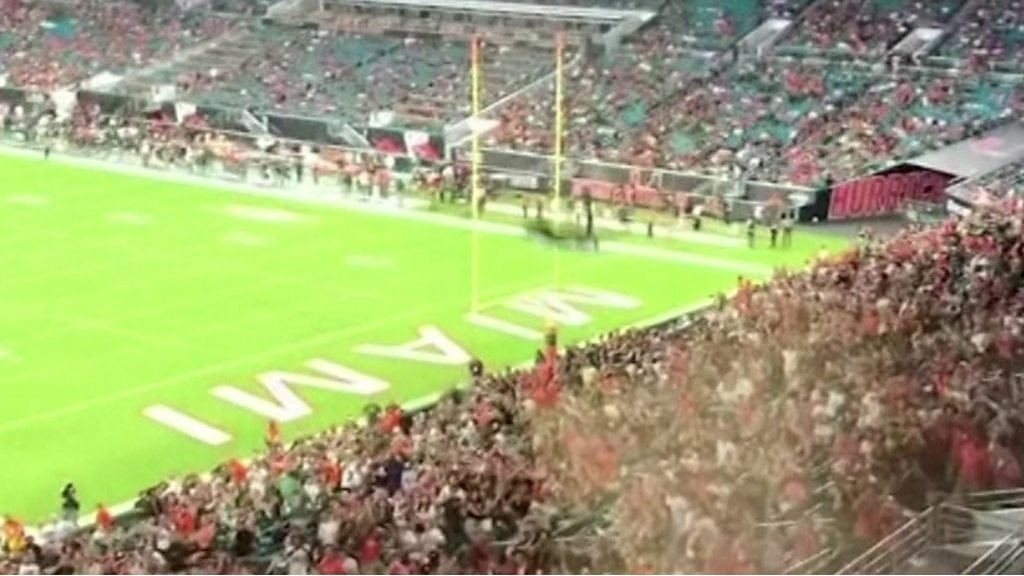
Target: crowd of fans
1007, 182
993, 31
47, 46
805, 415
775, 120
653, 101
868, 27
901, 118
800, 417
314, 73
605, 99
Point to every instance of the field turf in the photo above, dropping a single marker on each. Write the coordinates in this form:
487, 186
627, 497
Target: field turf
121, 292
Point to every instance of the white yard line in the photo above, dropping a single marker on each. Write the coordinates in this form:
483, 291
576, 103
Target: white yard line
92, 325
7, 356
685, 258
34, 200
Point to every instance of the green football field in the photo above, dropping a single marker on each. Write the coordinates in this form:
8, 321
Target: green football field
149, 327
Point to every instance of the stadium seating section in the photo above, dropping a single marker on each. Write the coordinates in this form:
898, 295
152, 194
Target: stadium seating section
654, 101
1004, 183
827, 403
48, 46
992, 30
868, 27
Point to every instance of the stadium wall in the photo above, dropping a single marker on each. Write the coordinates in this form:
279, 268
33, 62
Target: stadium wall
653, 188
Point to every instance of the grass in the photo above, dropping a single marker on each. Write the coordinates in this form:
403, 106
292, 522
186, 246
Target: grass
121, 292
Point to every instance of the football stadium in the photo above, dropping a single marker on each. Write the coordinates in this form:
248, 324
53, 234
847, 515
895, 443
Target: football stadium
511, 286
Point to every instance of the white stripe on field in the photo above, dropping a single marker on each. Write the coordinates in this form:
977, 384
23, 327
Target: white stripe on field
187, 425
687, 258
27, 199
504, 326
132, 218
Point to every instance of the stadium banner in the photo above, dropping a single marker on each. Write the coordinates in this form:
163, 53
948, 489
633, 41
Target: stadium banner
424, 146
309, 130
886, 192
108, 103
509, 161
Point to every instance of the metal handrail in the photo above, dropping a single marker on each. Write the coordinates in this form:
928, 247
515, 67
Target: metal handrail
993, 557
892, 551
1009, 562
1012, 498
815, 564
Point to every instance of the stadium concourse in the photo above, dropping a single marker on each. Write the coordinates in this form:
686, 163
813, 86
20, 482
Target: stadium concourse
795, 426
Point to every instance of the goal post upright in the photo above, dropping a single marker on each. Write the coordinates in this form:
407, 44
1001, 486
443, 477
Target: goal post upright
475, 62
556, 207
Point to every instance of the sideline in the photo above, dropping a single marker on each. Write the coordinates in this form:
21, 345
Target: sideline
409, 209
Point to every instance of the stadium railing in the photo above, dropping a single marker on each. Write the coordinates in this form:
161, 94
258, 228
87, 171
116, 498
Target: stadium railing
945, 525
997, 499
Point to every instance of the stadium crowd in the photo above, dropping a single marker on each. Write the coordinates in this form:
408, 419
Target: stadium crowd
869, 27
993, 32
47, 46
804, 416
823, 405
654, 101
779, 121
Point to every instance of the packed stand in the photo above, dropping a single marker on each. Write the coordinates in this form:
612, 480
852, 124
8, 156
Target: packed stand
615, 4
993, 31
1007, 182
713, 23
298, 71
448, 96
605, 99
899, 119
747, 117
244, 7
816, 412
867, 28
361, 78
775, 120
46, 46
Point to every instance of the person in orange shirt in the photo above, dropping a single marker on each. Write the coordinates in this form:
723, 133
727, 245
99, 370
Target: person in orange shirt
14, 535
330, 472
238, 470
104, 519
273, 434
